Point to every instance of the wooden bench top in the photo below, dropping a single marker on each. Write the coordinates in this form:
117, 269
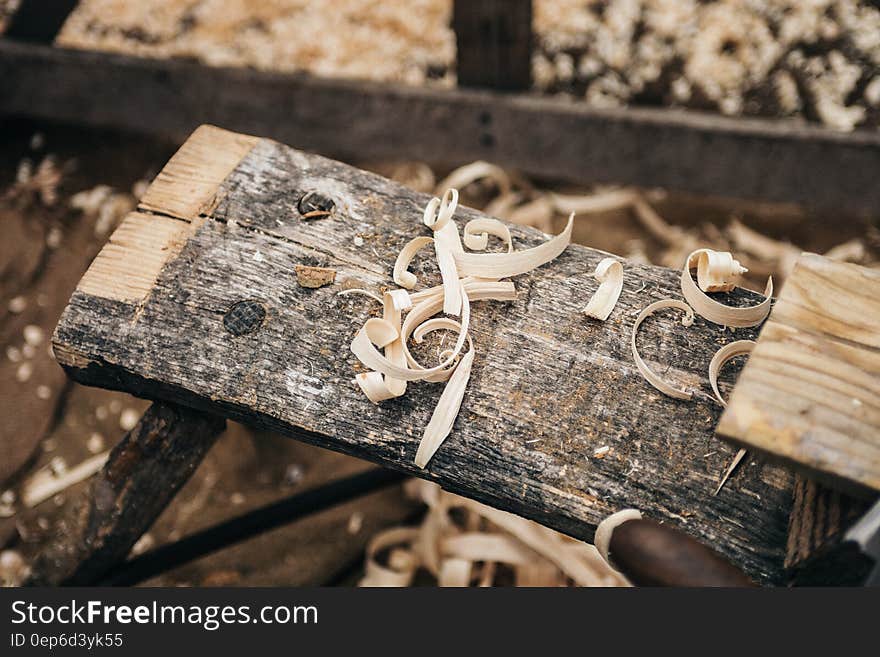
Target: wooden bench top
810, 392
220, 225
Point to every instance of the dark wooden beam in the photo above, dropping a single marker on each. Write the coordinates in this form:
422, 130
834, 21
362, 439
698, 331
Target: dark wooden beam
545, 137
816, 554
161, 314
494, 43
143, 473
39, 21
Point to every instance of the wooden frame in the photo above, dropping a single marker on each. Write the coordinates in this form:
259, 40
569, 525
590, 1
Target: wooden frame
773, 160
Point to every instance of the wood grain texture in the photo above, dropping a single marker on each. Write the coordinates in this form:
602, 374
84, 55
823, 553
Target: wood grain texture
774, 160
549, 386
810, 393
144, 471
128, 265
188, 182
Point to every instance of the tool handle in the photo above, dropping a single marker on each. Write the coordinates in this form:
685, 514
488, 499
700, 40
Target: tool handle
651, 554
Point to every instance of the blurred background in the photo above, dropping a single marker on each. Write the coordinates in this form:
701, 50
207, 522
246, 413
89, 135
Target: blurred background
64, 187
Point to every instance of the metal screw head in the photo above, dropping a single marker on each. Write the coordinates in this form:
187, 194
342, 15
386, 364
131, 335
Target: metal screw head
244, 317
314, 205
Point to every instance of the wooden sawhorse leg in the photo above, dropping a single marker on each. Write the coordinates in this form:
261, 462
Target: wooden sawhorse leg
142, 474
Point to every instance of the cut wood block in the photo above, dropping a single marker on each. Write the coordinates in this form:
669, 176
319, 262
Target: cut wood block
810, 392
226, 328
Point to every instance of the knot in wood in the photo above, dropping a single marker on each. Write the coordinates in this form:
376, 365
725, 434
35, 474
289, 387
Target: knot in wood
244, 317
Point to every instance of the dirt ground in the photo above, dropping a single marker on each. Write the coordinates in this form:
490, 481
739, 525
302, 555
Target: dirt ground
48, 421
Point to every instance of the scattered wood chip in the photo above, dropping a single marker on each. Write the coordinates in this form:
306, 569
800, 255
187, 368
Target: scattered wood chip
314, 277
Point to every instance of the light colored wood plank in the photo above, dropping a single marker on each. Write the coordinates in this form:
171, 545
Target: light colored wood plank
130, 262
810, 393
186, 185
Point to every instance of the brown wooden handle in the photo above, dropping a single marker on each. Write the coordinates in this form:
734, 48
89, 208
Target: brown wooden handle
651, 554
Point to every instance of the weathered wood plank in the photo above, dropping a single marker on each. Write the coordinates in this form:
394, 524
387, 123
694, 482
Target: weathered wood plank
549, 387
493, 43
810, 393
545, 137
144, 471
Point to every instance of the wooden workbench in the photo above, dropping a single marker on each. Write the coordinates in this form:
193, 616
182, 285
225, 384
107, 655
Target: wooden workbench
194, 300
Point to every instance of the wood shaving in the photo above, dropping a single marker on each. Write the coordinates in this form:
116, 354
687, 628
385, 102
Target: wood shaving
730, 468
712, 310
650, 376
721, 357
479, 170
465, 277
609, 273
738, 348
314, 277
462, 543
477, 231
44, 484
608, 201
606, 528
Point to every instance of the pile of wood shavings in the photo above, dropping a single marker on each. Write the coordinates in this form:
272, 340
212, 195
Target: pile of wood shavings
409, 42
465, 277
818, 60
506, 195
464, 543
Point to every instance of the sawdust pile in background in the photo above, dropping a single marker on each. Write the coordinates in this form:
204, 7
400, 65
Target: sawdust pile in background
626, 221
815, 59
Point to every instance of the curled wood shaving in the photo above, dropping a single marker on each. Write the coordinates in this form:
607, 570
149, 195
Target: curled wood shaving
713, 310
614, 199
461, 543
717, 271
401, 276
504, 265
602, 537
438, 217
643, 368
721, 357
609, 273
479, 170
477, 231
382, 343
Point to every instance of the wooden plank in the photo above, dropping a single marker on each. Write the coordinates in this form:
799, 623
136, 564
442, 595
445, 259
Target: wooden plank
810, 393
144, 471
549, 387
494, 43
545, 137
39, 21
